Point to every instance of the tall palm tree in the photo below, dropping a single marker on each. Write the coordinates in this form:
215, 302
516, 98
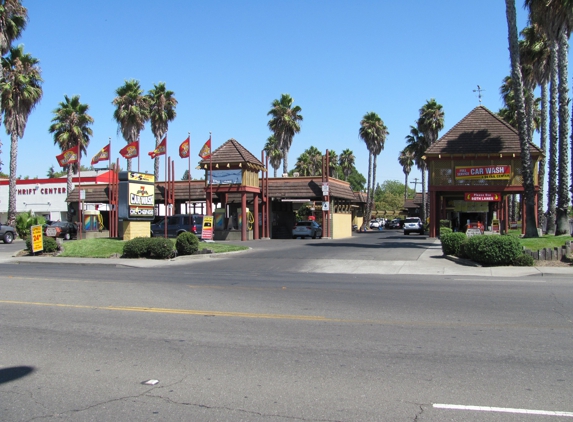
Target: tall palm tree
285, 123
406, 160
332, 163
526, 167
274, 153
556, 20
535, 51
416, 146
303, 165
346, 162
20, 91
70, 127
314, 160
131, 113
162, 104
13, 20
373, 132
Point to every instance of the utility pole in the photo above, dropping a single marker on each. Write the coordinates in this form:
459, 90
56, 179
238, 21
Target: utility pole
415, 183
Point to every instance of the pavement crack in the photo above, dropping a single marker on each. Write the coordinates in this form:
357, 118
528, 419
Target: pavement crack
562, 314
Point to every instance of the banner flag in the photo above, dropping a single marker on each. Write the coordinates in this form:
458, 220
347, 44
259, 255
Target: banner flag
69, 156
130, 150
160, 150
206, 150
184, 148
102, 155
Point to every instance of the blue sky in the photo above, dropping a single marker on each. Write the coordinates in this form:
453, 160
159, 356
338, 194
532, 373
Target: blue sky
227, 61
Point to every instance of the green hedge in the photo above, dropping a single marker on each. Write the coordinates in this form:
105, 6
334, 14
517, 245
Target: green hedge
187, 244
148, 247
493, 250
50, 245
452, 243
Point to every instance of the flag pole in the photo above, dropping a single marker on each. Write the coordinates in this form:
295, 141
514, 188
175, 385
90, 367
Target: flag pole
80, 190
138, 159
189, 173
108, 188
210, 175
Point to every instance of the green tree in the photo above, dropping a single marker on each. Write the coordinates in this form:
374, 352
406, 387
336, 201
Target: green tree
332, 163
274, 153
373, 132
303, 166
357, 180
185, 175
131, 113
346, 162
416, 145
162, 104
71, 127
516, 75
13, 20
406, 160
20, 91
314, 161
285, 123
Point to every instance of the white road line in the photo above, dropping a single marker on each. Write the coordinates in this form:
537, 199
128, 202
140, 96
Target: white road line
503, 410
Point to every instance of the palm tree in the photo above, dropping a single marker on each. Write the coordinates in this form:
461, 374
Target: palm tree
131, 113
274, 153
346, 162
556, 20
162, 104
406, 160
70, 127
303, 165
432, 120
284, 123
416, 146
526, 167
332, 163
314, 161
13, 20
373, 132
20, 91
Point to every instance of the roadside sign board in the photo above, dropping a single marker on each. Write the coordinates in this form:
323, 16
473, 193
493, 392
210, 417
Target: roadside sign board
325, 206
37, 239
325, 188
473, 232
207, 233
482, 197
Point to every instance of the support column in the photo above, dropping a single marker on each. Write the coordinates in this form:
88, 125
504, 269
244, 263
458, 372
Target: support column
523, 216
244, 216
256, 215
433, 213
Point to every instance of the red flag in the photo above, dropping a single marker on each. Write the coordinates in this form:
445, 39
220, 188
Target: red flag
160, 150
184, 148
69, 156
130, 150
102, 155
206, 150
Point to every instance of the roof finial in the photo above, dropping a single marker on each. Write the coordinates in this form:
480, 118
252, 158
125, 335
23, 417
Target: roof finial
479, 90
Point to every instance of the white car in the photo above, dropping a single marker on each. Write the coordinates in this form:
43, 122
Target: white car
413, 224
374, 224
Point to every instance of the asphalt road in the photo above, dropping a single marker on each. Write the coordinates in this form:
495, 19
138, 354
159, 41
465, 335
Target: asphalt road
250, 338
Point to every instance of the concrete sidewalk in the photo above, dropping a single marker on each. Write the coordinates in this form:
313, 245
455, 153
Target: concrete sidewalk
430, 262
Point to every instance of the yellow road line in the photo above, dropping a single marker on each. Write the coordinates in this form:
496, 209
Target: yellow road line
179, 311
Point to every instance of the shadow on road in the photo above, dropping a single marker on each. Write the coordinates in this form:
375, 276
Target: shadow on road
15, 372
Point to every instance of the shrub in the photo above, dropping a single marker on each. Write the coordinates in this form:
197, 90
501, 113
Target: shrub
523, 261
445, 223
452, 242
136, 248
493, 250
160, 247
50, 245
187, 244
25, 220
445, 230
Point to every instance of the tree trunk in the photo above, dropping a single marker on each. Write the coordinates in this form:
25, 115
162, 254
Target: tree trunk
12, 181
553, 140
372, 197
562, 222
405, 187
367, 211
423, 216
526, 167
156, 160
285, 160
129, 164
542, 162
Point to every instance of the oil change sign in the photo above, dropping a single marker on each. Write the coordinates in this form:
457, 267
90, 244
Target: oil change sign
136, 196
483, 172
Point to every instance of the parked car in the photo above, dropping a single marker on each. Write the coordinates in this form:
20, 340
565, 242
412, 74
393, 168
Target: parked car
374, 224
7, 233
395, 224
304, 229
64, 229
413, 225
177, 224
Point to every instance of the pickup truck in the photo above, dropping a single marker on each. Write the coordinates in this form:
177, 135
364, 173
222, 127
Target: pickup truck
7, 233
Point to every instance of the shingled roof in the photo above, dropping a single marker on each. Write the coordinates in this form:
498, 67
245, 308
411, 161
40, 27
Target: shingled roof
480, 132
232, 152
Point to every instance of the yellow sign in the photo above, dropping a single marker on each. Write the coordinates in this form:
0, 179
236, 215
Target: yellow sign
141, 200
37, 239
140, 177
207, 233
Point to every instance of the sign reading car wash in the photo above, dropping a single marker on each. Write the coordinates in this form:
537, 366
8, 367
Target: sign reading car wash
482, 197
207, 233
136, 196
483, 172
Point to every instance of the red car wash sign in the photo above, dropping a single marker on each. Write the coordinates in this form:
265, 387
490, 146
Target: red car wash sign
483, 172
482, 197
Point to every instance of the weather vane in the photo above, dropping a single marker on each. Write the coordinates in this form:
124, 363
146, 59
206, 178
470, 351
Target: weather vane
479, 90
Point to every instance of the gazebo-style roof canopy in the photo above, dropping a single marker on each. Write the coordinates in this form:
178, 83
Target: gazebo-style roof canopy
481, 132
232, 154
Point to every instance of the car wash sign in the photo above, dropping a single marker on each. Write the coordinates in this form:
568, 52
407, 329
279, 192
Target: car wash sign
483, 172
136, 196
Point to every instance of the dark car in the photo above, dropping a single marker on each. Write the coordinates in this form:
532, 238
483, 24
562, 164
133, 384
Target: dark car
395, 224
64, 229
304, 229
7, 233
177, 224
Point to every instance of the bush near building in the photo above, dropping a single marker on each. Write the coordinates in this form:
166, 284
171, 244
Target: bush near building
148, 247
187, 244
452, 243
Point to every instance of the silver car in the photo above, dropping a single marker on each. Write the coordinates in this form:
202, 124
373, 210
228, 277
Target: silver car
413, 224
304, 229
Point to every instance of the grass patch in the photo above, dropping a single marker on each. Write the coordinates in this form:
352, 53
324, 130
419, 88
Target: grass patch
105, 247
537, 243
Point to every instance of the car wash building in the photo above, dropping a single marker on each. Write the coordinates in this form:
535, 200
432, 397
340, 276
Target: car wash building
473, 170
